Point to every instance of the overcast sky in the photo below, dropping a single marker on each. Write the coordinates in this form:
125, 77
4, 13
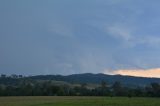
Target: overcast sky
79, 36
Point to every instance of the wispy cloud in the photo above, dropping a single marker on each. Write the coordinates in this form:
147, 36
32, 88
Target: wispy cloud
61, 29
151, 40
120, 32
130, 37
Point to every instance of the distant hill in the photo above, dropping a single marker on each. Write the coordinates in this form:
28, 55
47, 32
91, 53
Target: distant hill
79, 85
97, 78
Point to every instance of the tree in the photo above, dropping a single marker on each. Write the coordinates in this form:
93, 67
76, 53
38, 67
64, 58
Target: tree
1, 90
103, 84
3, 76
104, 89
138, 92
118, 89
156, 89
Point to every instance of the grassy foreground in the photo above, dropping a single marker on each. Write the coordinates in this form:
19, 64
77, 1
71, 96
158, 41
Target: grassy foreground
78, 101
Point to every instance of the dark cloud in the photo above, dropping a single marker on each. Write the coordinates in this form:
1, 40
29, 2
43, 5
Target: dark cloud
65, 37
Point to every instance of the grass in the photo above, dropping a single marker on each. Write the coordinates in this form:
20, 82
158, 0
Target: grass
77, 101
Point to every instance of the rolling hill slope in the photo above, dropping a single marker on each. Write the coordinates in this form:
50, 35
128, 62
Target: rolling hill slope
97, 78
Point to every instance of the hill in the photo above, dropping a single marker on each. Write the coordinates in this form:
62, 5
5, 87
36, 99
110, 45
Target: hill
79, 85
97, 78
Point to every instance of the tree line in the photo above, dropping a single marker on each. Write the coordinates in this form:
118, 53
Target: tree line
13, 86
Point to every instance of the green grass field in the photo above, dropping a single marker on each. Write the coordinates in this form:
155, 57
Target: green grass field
78, 101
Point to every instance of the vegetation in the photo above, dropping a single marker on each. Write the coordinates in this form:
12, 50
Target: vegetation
77, 101
24, 86
98, 78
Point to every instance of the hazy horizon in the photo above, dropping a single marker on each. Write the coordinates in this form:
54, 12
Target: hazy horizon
88, 36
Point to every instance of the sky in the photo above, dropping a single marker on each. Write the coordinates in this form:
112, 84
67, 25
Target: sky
80, 36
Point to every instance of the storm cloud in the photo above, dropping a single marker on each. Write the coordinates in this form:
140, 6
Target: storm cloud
78, 36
